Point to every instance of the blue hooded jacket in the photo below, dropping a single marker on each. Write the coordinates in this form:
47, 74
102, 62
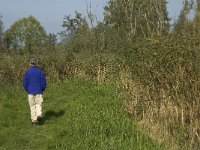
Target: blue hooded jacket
34, 81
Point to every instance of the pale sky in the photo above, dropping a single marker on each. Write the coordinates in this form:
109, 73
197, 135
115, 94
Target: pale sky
50, 13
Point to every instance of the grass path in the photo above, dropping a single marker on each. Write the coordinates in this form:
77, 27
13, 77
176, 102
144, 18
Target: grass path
77, 115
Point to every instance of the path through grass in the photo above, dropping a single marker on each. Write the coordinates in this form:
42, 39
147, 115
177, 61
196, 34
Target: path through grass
77, 115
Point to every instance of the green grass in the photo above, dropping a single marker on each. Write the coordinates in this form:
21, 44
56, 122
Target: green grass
77, 115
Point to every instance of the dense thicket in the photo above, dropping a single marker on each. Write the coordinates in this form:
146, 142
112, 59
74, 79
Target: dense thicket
157, 65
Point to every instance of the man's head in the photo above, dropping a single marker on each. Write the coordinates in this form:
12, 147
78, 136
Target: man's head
33, 62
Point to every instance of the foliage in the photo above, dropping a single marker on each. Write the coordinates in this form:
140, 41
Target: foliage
183, 17
138, 18
1, 34
157, 68
73, 26
52, 41
26, 34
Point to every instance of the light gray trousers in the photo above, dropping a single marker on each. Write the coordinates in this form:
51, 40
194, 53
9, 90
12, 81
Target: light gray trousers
35, 103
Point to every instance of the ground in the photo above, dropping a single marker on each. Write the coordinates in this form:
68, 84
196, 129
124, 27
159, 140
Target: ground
77, 114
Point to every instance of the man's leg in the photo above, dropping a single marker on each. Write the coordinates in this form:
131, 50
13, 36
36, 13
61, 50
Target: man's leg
39, 101
31, 100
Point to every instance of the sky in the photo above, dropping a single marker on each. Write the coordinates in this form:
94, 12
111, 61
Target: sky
50, 13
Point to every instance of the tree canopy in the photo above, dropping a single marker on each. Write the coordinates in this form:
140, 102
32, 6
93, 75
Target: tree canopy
26, 33
138, 18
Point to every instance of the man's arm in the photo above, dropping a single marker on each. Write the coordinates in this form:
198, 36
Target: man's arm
25, 82
43, 81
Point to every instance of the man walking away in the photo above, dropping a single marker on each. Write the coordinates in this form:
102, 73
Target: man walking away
34, 83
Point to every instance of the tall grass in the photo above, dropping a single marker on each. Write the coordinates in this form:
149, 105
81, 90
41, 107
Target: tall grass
77, 115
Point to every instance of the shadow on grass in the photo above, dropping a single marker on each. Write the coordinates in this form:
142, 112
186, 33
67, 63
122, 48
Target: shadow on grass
52, 115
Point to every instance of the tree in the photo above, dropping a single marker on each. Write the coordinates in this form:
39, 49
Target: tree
1, 35
26, 34
138, 18
186, 24
73, 26
183, 17
52, 41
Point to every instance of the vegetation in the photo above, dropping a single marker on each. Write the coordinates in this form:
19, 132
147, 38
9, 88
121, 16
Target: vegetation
155, 65
77, 115
26, 33
1, 35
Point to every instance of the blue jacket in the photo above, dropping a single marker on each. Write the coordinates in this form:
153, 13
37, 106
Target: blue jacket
34, 81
